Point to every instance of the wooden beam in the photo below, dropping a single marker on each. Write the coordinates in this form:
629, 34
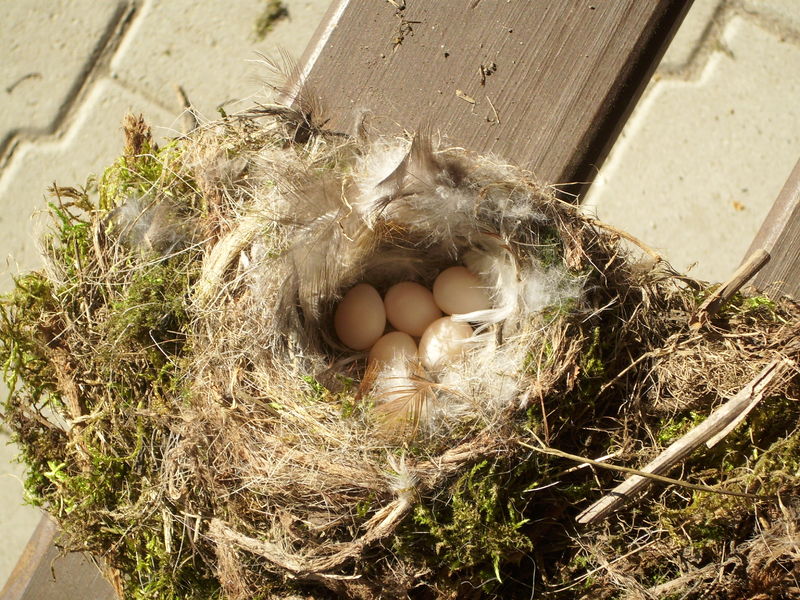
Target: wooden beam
780, 236
546, 85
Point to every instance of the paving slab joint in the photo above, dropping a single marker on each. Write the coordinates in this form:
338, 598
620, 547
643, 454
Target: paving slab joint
713, 37
766, 19
96, 66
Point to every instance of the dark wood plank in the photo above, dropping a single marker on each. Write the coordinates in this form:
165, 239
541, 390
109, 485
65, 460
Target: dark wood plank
37, 547
42, 573
567, 73
780, 236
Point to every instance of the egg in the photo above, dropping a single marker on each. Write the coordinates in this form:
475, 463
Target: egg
410, 307
458, 290
360, 318
444, 341
394, 347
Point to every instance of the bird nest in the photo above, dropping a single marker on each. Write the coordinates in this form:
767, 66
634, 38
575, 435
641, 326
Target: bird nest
187, 412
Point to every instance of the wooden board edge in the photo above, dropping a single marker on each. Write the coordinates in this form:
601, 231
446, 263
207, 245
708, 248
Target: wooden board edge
34, 553
779, 235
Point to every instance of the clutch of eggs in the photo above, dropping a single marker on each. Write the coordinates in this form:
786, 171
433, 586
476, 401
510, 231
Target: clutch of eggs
413, 311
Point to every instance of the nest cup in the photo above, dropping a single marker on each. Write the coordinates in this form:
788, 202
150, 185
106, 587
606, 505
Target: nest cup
404, 214
319, 445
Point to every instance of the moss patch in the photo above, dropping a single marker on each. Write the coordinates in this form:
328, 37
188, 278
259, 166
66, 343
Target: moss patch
274, 11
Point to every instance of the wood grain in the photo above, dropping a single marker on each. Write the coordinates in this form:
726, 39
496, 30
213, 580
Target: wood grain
566, 75
780, 236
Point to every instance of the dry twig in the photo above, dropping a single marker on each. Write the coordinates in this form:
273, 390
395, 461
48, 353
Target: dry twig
724, 292
719, 421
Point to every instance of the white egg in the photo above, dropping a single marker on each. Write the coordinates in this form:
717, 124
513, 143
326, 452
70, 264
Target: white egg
444, 341
458, 290
394, 347
410, 307
360, 318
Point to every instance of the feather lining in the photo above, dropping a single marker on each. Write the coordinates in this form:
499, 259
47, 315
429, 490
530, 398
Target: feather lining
406, 212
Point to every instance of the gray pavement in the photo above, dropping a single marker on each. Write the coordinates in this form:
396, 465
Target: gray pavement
714, 138
694, 173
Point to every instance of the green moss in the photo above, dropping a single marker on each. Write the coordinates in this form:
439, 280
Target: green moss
150, 311
70, 246
154, 573
476, 527
592, 363
142, 169
779, 464
22, 348
274, 11
128, 173
708, 520
120, 330
550, 247
578, 491
759, 303
364, 507
319, 392
749, 308
553, 312
673, 428
761, 456
36, 445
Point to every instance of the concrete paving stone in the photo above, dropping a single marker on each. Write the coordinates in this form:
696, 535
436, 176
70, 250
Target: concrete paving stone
209, 48
93, 142
46, 48
701, 162
689, 36
785, 12
17, 520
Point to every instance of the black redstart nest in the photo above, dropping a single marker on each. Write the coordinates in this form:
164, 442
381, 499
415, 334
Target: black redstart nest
189, 410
